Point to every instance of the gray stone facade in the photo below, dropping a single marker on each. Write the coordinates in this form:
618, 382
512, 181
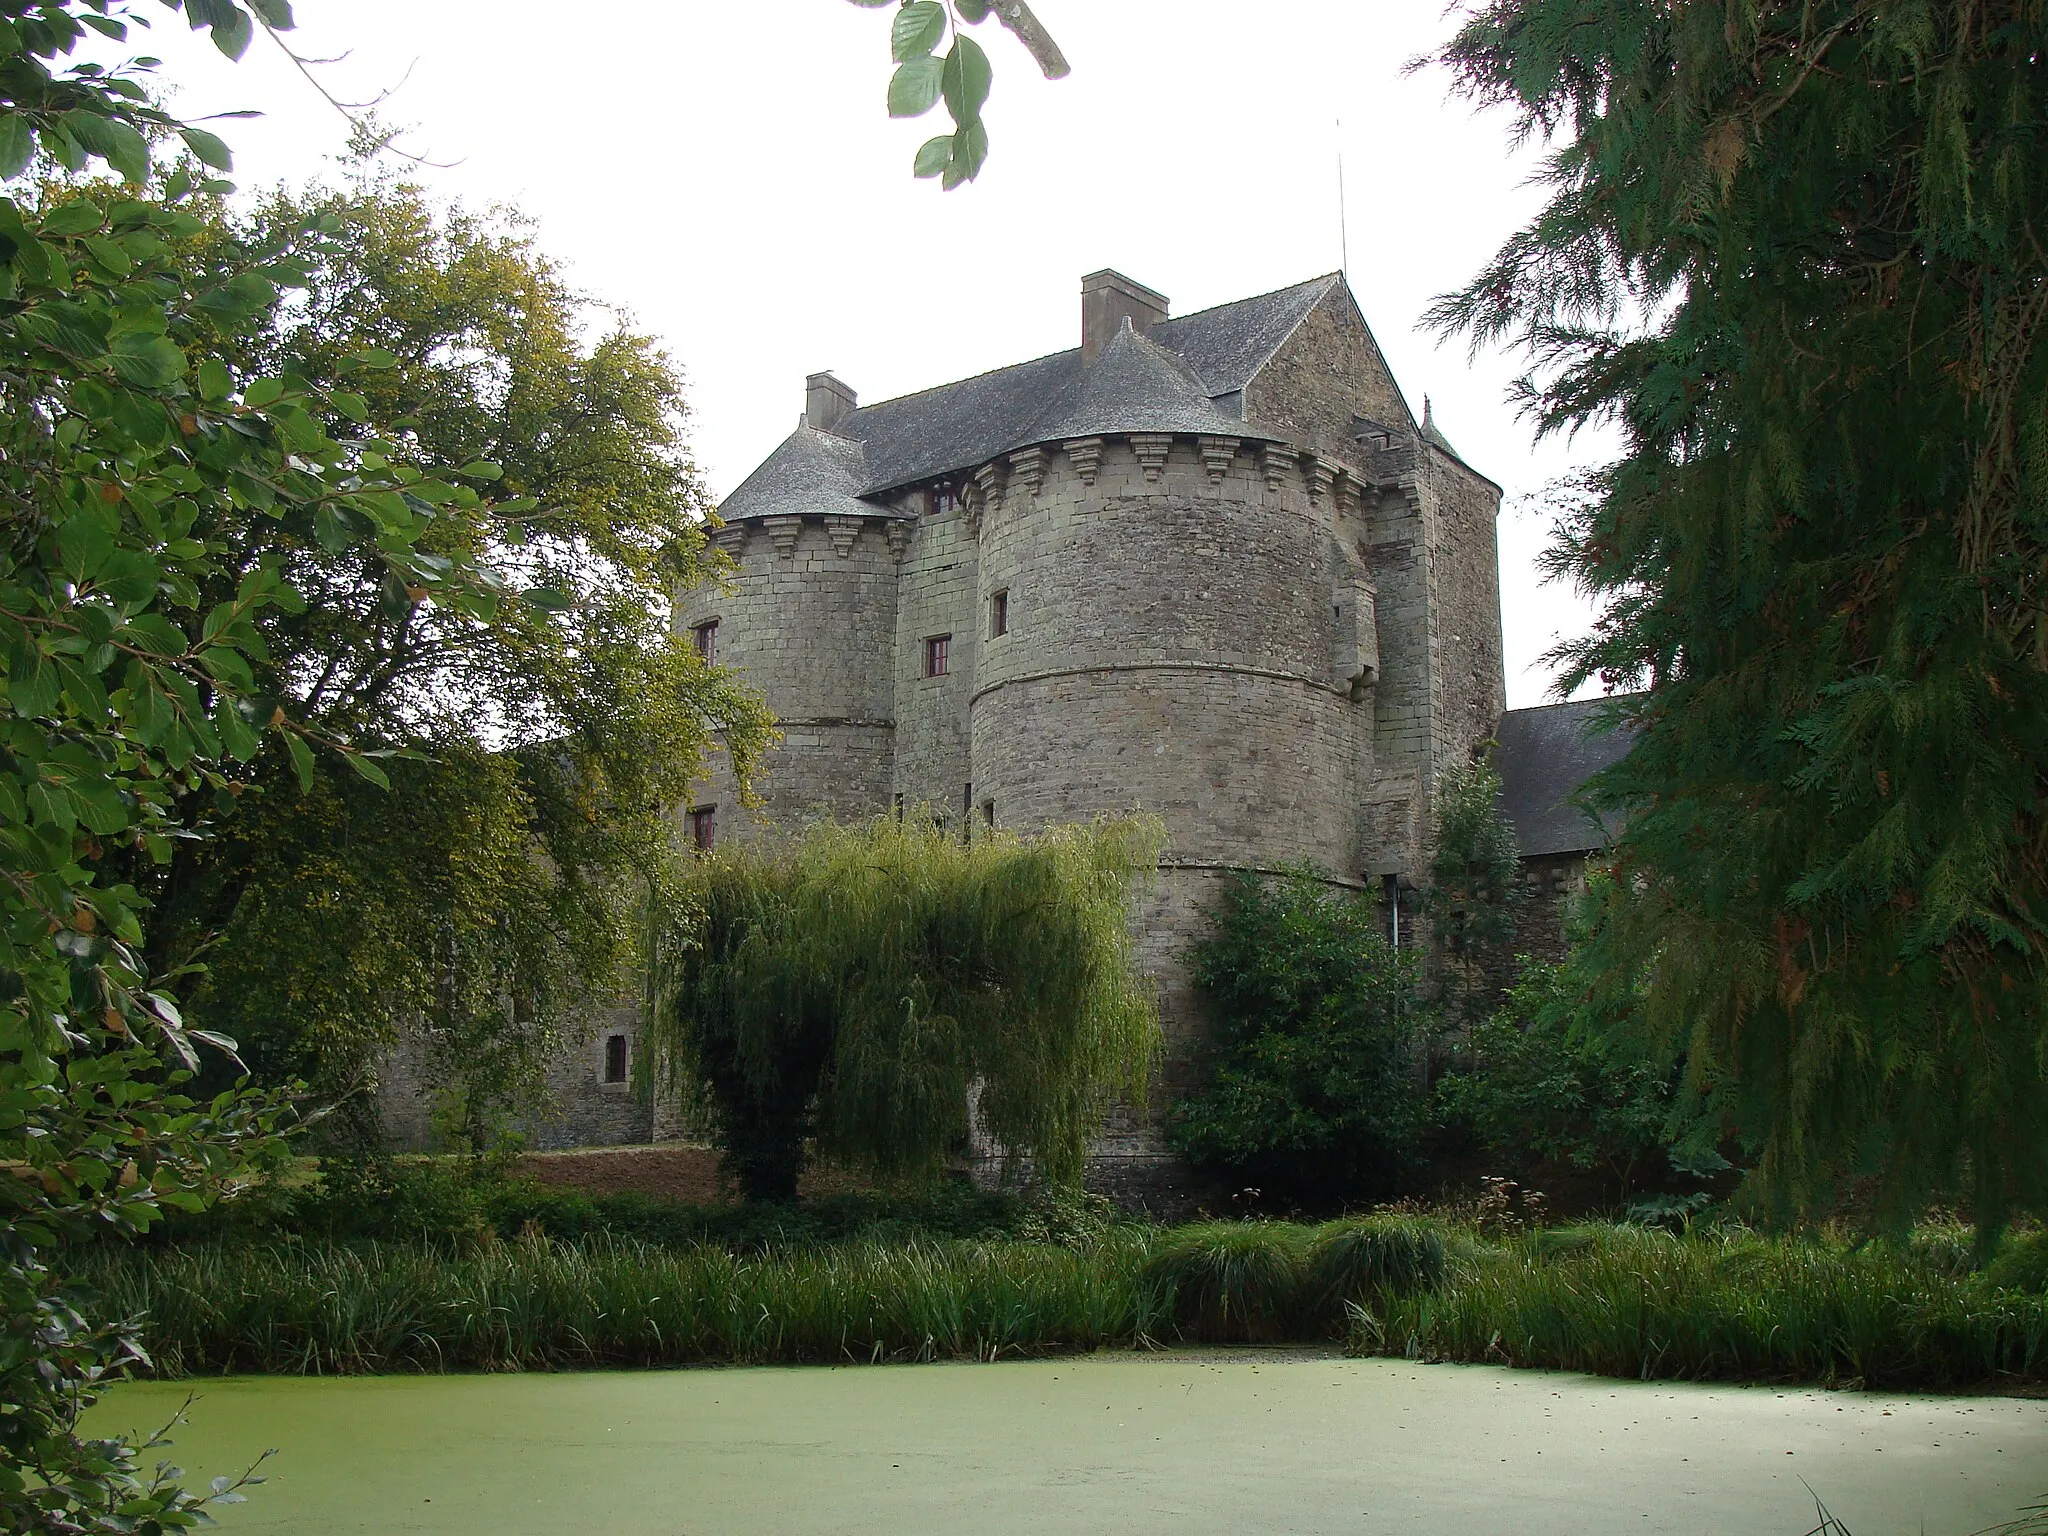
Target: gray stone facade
1240, 587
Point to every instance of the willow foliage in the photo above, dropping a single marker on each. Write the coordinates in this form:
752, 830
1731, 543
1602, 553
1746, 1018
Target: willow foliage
1797, 253
858, 986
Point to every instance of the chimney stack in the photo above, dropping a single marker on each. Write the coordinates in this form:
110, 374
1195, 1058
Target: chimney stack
1107, 300
826, 401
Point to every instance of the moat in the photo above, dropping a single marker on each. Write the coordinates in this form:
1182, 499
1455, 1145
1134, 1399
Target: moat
1180, 1442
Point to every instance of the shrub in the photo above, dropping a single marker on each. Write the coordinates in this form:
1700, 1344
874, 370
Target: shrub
1360, 1261
1313, 1093
1229, 1281
1562, 1074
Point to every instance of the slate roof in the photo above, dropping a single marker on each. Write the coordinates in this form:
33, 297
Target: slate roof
811, 473
1136, 385
1545, 755
937, 432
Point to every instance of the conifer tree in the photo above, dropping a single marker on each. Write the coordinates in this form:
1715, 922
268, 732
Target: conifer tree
1799, 253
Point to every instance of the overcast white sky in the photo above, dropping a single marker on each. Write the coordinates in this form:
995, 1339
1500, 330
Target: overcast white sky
725, 173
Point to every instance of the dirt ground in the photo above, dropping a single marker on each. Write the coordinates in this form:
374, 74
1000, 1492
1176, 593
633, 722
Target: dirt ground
669, 1170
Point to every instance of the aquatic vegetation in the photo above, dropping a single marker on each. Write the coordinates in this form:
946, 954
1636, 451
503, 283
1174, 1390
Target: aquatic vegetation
1711, 1304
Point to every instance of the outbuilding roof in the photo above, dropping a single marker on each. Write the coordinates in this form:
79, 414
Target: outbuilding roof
1213, 353
1546, 755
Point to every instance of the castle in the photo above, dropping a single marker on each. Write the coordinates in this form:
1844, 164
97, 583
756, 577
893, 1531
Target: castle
1209, 566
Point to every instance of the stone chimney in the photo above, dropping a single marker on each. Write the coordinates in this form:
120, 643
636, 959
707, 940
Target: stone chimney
826, 401
1107, 300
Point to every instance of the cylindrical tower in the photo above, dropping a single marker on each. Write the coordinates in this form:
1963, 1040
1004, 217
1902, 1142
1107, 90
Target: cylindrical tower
809, 619
1171, 642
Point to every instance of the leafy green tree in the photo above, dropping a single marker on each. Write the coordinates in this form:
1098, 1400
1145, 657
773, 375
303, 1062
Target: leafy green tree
1313, 1093
1795, 253
1474, 896
132, 463
866, 988
543, 743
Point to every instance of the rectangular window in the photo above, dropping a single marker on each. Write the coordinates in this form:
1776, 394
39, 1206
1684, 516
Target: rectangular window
615, 1058
936, 652
945, 498
988, 812
706, 637
704, 828
999, 613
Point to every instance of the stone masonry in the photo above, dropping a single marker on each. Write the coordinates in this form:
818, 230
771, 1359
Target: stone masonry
1212, 568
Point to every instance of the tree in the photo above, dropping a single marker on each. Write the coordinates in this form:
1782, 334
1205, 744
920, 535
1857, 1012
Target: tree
1474, 895
1314, 1090
546, 742
1795, 251
131, 463
866, 988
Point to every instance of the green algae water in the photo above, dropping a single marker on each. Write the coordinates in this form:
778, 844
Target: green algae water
1179, 1443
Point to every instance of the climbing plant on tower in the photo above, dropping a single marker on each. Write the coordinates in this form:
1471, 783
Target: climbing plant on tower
1797, 254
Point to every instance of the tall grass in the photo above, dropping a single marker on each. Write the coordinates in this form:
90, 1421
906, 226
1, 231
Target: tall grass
1623, 1301
1616, 1301
318, 1308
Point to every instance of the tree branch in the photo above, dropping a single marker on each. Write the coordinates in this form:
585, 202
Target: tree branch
1017, 18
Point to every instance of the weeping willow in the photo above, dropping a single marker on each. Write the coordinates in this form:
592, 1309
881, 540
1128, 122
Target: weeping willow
856, 988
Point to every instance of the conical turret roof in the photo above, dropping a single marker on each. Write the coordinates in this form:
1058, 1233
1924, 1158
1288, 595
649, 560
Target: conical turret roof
813, 473
1135, 385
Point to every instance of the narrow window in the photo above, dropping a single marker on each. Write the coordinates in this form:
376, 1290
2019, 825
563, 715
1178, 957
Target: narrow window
899, 807
704, 828
936, 652
945, 498
988, 812
999, 613
615, 1058
706, 637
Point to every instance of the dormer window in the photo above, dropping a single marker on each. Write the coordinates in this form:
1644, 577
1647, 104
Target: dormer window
945, 498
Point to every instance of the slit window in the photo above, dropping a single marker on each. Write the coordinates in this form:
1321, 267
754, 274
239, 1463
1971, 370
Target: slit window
704, 828
705, 637
937, 652
615, 1058
999, 612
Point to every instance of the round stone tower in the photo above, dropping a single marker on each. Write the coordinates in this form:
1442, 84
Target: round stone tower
1171, 641
809, 618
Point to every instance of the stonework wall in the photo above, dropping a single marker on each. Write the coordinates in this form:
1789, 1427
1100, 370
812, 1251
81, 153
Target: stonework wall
1550, 884
1465, 559
579, 1108
809, 618
940, 595
1327, 372
1275, 649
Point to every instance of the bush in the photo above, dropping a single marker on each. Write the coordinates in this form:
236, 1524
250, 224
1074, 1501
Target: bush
1228, 1281
1353, 1262
1558, 1076
1313, 1094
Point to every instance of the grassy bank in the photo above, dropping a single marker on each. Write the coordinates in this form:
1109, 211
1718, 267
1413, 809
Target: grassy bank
1724, 1305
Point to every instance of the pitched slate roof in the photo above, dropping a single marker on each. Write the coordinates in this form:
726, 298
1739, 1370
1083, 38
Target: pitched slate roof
1545, 755
936, 432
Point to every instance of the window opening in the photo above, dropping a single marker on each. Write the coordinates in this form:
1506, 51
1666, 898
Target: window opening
945, 497
937, 651
999, 612
704, 828
988, 812
615, 1058
706, 637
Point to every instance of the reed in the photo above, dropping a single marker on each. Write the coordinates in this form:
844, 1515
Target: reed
1733, 1306
1617, 1301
